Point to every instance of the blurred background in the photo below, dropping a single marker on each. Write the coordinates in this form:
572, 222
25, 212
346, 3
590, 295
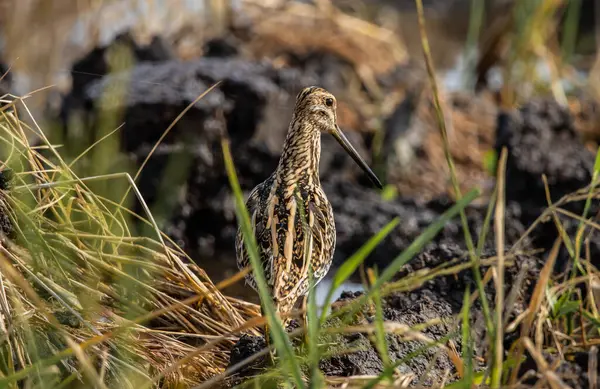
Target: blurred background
116, 75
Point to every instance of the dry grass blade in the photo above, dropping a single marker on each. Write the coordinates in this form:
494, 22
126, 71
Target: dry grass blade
440, 117
126, 309
553, 379
563, 234
359, 381
499, 229
534, 306
593, 367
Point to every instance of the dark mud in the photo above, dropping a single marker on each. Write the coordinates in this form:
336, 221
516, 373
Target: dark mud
356, 222
186, 185
439, 298
245, 348
541, 140
573, 369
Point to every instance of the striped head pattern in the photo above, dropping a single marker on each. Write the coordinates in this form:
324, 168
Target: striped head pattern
316, 110
318, 107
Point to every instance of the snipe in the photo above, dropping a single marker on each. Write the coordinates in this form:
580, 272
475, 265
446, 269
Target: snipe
291, 216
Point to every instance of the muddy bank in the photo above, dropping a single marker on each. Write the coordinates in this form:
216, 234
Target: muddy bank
535, 137
439, 298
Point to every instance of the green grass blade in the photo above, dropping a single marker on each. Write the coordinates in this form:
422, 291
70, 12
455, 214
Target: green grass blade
352, 263
595, 321
449, 160
586, 210
314, 354
280, 337
486, 224
467, 353
569, 36
380, 341
563, 301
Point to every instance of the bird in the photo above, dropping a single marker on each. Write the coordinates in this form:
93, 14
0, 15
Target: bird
292, 219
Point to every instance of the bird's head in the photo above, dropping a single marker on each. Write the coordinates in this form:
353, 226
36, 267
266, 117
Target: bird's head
317, 106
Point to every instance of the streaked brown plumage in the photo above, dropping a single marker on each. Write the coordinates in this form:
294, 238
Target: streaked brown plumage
291, 216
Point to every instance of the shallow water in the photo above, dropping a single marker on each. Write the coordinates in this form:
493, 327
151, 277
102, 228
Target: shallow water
323, 287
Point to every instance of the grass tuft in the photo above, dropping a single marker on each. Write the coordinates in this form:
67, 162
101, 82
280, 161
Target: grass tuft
81, 301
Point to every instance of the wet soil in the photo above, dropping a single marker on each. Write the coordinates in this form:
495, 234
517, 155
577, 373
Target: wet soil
573, 369
186, 185
440, 298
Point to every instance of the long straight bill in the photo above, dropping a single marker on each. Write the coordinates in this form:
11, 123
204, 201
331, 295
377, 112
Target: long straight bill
341, 138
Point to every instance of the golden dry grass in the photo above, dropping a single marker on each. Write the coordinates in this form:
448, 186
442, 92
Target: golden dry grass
76, 282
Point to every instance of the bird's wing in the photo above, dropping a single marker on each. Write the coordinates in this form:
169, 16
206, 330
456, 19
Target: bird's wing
320, 228
256, 209
309, 234
252, 204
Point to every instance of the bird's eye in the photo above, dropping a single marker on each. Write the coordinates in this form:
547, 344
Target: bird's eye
329, 102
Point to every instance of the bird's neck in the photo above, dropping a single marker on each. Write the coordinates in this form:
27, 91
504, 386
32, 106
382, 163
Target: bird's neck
299, 162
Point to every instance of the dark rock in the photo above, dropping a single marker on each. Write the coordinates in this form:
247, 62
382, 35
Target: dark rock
122, 51
6, 177
407, 309
541, 140
156, 94
365, 361
360, 213
347, 296
450, 289
95, 64
245, 347
326, 67
410, 310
